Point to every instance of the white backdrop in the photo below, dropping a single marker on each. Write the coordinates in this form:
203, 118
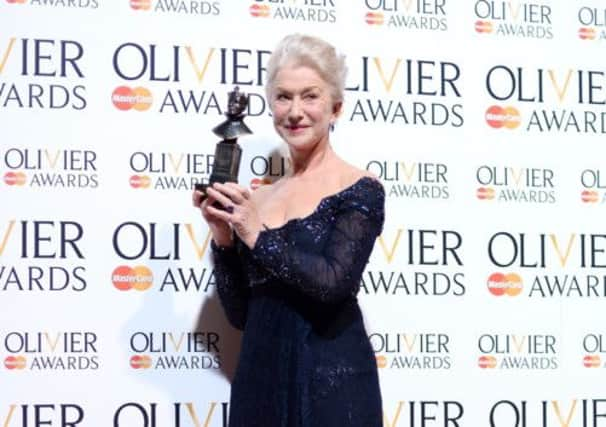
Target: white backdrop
484, 296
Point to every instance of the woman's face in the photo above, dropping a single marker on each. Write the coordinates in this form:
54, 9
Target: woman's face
302, 107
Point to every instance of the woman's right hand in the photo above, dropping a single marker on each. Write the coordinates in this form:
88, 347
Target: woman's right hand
220, 229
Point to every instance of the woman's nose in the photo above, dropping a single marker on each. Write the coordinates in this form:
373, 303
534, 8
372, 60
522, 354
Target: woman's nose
295, 113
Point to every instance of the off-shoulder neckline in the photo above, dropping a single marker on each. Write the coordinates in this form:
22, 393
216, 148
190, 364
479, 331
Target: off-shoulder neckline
323, 201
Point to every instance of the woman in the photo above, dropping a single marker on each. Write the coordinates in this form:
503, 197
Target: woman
289, 259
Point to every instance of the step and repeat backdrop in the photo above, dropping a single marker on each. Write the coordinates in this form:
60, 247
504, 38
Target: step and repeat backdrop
484, 298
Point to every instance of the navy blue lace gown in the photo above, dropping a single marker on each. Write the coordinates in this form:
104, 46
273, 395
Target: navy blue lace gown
306, 360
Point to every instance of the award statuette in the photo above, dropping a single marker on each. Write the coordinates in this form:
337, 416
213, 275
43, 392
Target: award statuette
226, 164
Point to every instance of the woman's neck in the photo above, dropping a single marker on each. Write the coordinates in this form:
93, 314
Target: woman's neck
308, 162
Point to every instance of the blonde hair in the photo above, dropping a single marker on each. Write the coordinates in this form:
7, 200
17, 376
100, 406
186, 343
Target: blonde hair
312, 52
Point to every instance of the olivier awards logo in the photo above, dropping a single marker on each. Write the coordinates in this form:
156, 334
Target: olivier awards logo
178, 7
46, 168
42, 256
594, 351
412, 180
168, 171
159, 258
508, 184
174, 351
407, 15
543, 100
593, 187
50, 351
517, 352
416, 263
551, 265
313, 11
174, 79
50, 66
513, 18
412, 351
592, 21
398, 91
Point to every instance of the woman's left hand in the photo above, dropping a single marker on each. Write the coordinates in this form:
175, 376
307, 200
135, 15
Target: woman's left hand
240, 211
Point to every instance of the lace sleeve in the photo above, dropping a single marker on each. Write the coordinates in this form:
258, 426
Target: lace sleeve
232, 284
333, 275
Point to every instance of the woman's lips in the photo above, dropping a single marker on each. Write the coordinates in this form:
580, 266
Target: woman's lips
296, 128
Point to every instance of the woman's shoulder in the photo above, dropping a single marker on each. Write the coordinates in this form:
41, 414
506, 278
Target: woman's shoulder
352, 176
362, 190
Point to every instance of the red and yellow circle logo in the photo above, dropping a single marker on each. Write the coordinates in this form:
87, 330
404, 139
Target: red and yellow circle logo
589, 196
139, 278
592, 361
140, 4
15, 362
374, 18
139, 181
499, 117
15, 178
485, 193
587, 33
483, 27
500, 284
487, 362
140, 362
124, 98
259, 10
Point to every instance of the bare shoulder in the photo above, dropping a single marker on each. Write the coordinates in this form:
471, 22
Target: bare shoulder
352, 174
370, 194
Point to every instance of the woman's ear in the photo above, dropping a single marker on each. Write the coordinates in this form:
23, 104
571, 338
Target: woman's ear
337, 108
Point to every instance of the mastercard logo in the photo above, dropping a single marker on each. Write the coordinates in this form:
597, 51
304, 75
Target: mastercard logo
483, 27
139, 181
259, 182
15, 178
381, 361
485, 193
592, 361
140, 4
502, 117
589, 196
259, 10
15, 362
124, 98
374, 18
15, 1
586, 33
487, 362
139, 278
505, 284
140, 362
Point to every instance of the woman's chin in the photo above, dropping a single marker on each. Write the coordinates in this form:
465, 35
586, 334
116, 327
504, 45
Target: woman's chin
299, 144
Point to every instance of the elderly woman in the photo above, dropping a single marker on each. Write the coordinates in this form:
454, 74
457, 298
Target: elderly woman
289, 259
